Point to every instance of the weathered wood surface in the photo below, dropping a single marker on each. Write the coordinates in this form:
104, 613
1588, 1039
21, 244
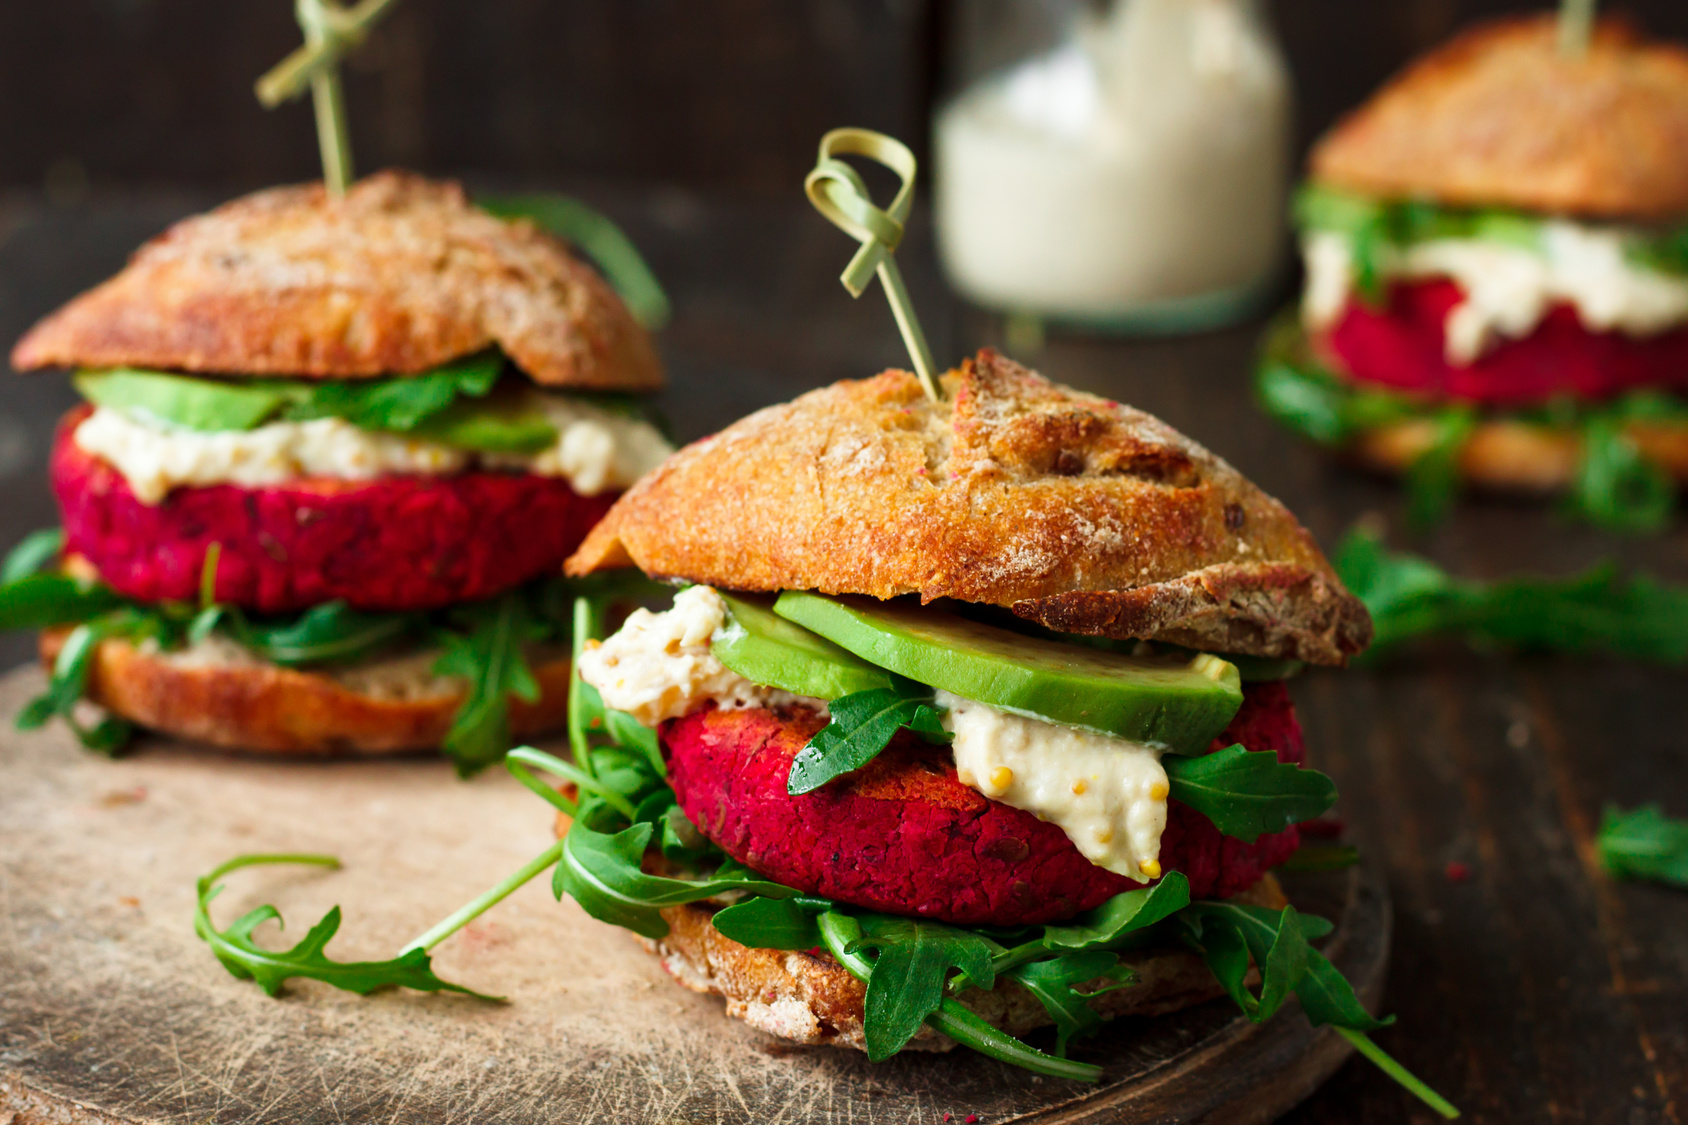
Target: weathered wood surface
109, 1001
1534, 990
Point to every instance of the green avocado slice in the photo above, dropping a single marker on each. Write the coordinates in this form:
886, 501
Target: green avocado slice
767, 649
1182, 704
195, 404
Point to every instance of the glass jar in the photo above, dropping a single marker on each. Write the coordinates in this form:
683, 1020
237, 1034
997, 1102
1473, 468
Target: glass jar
1120, 165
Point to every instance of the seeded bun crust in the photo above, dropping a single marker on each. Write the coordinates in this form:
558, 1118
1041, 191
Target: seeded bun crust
1080, 514
268, 709
1506, 455
400, 276
1499, 117
811, 999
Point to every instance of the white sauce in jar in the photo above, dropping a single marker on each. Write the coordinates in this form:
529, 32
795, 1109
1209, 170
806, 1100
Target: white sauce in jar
1145, 161
1107, 794
658, 665
595, 451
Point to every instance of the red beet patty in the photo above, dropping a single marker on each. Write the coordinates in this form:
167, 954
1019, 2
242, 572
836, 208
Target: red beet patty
1400, 345
903, 835
394, 544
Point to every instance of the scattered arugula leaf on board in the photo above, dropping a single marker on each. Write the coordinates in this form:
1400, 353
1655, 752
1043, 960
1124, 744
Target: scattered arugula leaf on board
862, 725
1644, 844
1597, 611
1432, 480
271, 969
1248, 793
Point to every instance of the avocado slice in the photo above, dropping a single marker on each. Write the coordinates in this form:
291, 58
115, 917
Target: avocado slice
770, 650
196, 404
1182, 704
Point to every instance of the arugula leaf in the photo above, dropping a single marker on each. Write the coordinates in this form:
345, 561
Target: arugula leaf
186, 401
401, 404
489, 656
38, 601
1132, 911
770, 923
68, 682
602, 872
1432, 480
862, 725
1246, 794
1228, 934
1596, 611
1055, 984
330, 633
598, 238
31, 556
911, 967
1644, 844
1616, 486
271, 969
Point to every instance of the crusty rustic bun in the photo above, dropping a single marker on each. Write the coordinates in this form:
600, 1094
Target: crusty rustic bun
270, 709
1078, 513
810, 998
1509, 455
1499, 117
400, 276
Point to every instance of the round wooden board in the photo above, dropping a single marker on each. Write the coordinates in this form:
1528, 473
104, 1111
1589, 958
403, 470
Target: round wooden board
112, 1011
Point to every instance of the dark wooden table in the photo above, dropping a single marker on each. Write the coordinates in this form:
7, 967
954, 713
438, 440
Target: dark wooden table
1532, 989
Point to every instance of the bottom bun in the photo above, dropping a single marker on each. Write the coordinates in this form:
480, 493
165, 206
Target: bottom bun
217, 693
809, 998
1510, 455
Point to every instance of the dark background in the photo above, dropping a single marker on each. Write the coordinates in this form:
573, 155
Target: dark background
715, 95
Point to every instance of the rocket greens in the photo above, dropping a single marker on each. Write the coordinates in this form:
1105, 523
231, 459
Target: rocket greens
484, 643
1597, 611
1644, 844
629, 852
1615, 486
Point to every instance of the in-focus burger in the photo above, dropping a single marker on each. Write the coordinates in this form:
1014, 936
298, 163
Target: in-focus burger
333, 455
1497, 273
967, 719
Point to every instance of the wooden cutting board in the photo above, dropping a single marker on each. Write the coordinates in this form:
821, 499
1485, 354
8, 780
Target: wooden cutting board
112, 1011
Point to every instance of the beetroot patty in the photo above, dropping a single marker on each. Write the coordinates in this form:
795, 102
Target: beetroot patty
1401, 345
398, 543
903, 835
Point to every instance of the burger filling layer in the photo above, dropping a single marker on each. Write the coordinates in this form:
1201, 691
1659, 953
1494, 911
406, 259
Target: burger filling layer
1512, 269
593, 449
1108, 795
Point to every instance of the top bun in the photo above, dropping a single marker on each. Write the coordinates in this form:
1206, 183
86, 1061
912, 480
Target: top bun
1083, 515
400, 276
1499, 117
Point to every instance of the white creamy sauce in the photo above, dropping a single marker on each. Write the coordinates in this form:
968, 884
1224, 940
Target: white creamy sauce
1107, 794
658, 665
1146, 160
595, 451
1509, 289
